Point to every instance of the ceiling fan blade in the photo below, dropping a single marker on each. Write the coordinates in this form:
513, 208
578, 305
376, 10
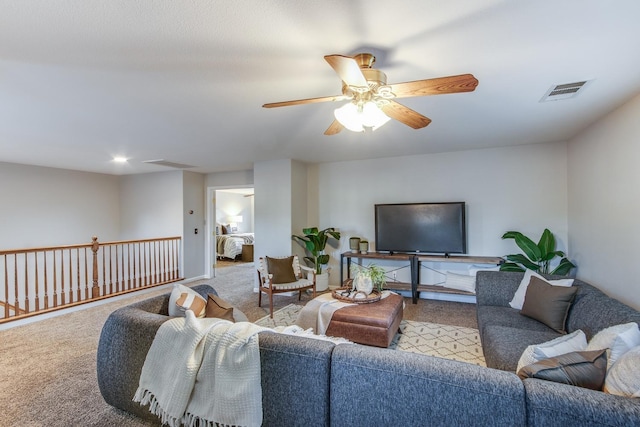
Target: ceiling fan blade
334, 128
437, 86
405, 115
307, 101
348, 70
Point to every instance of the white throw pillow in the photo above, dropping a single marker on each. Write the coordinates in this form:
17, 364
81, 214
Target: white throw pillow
617, 339
518, 297
183, 299
575, 341
623, 379
460, 282
473, 269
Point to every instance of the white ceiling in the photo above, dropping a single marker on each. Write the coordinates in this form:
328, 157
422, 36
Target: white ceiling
84, 80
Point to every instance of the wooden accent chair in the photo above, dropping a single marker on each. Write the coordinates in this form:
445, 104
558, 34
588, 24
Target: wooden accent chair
282, 279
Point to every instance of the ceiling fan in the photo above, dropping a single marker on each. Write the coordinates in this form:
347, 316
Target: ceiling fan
372, 100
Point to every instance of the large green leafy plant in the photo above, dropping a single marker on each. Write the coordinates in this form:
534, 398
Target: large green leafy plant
536, 257
315, 243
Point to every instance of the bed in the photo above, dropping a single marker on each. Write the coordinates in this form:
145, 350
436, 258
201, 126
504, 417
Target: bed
230, 245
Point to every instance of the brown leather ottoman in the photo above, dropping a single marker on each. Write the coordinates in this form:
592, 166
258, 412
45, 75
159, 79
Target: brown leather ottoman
372, 324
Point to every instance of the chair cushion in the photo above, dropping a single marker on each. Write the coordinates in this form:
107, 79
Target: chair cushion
281, 269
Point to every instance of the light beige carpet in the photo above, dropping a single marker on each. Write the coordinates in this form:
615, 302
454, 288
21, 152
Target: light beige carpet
446, 341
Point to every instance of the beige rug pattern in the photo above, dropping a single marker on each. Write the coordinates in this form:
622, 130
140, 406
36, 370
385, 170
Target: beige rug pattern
445, 341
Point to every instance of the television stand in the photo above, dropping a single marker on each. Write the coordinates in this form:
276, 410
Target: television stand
414, 262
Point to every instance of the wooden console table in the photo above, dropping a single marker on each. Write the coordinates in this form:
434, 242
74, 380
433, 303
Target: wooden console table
414, 262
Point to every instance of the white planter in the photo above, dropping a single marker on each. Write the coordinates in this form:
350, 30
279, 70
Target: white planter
363, 284
322, 282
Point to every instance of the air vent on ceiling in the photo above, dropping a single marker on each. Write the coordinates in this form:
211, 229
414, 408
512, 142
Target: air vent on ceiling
162, 162
564, 91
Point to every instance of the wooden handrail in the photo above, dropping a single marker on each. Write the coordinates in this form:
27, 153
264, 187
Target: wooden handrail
44, 279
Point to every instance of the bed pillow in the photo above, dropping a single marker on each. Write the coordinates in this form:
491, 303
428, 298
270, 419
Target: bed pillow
183, 299
617, 339
217, 307
575, 341
281, 269
460, 282
623, 379
548, 304
579, 368
226, 229
518, 297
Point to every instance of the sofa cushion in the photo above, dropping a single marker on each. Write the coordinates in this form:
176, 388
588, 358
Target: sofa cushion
506, 316
219, 308
590, 300
623, 379
579, 368
548, 304
183, 298
503, 345
617, 339
575, 341
519, 296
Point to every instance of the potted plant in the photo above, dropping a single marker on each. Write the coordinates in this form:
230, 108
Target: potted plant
536, 257
367, 278
315, 242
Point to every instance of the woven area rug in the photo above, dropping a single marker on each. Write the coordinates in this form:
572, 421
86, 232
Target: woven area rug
432, 339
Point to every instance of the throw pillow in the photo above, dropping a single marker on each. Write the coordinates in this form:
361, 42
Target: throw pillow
217, 307
281, 269
580, 368
623, 379
575, 341
518, 297
617, 339
548, 304
226, 229
183, 299
460, 282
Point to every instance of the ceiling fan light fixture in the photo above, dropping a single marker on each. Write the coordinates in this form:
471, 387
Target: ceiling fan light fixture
372, 116
349, 117
355, 117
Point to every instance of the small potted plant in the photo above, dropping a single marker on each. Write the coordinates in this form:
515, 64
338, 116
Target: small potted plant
366, 279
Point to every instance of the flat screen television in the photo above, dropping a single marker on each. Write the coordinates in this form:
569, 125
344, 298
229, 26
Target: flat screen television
438, 228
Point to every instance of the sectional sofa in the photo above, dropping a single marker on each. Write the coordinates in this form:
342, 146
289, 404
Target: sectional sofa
308, 382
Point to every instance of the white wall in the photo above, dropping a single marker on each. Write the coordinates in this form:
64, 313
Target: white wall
273, 222
52, 207
230, 179
519, 188
233, 204
604, 203
151, 205
193, 191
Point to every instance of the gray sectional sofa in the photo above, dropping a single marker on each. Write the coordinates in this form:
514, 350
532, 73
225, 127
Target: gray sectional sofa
505, 334
308, 382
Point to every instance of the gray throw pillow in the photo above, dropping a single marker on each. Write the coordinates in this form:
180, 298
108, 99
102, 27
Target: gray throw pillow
580, 368
282, 269
548, 304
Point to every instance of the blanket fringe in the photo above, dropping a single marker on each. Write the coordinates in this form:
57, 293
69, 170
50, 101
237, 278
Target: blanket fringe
145, 397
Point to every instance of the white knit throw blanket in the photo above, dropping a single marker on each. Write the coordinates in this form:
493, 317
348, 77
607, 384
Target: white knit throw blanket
203, 372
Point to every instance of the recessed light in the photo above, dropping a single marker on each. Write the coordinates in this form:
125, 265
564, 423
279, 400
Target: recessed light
120, 159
